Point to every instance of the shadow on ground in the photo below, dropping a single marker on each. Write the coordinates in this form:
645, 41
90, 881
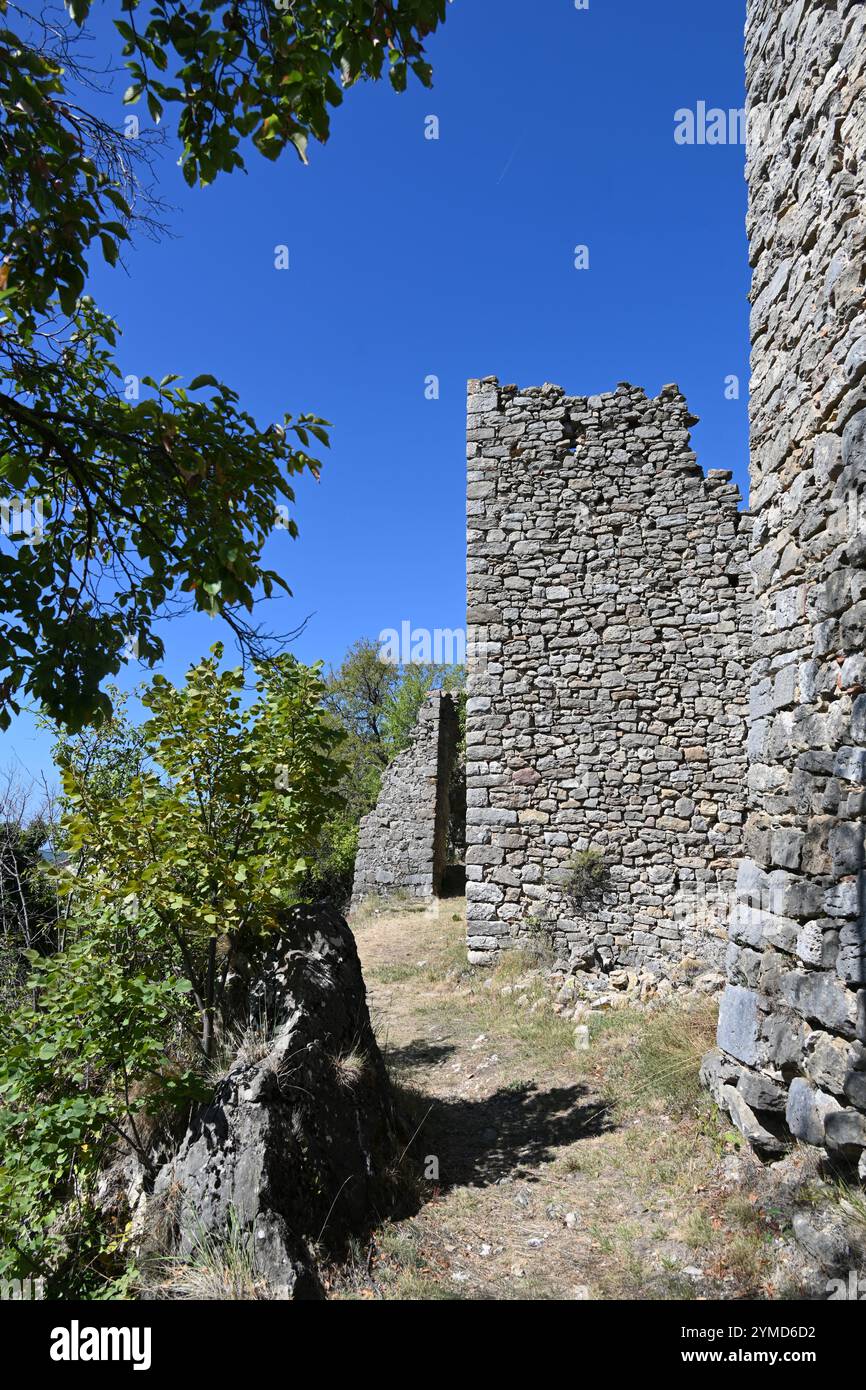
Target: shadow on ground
510, 1133
420, 1053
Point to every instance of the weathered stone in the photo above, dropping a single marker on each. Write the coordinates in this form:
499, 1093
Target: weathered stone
718, 1071
828, 1061
855, 1088
749, 1125
807, 1111
760, 1092
819, 998
583, 951
845, 1133
806, 67
292, 1149
823, 1241
739, 1023
783, 1038
612, 574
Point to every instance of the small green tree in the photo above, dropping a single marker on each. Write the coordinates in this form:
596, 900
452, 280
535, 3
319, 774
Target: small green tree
209, 846
587, 878
183, 846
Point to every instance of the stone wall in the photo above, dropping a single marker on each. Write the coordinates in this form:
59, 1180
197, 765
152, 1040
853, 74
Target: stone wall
402, 845
608, 612
793, 1019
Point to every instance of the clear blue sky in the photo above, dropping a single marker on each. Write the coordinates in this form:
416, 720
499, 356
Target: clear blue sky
411, 257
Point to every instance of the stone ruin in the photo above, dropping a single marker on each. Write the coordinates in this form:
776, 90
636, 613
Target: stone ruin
403, 841
608, 616
677, 685
792, 1033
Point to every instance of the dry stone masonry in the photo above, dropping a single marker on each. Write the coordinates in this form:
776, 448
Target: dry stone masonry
403, 842
792, 1032
608, 613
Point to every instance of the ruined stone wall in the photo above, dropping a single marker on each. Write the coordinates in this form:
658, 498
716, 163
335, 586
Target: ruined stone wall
793, 1019
402, 844
608, 612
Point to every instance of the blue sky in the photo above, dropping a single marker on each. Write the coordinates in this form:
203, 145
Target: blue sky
411, 257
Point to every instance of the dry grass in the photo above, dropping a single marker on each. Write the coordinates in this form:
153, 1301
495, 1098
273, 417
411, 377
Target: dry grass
349, 1068
244, 1043
653, 1059
217, 1269
396, 1267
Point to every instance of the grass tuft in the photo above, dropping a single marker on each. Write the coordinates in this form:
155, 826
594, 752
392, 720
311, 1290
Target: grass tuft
219, 1268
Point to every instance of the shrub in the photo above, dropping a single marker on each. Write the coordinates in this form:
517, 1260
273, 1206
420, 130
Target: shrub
85, 1067
213, 842
587, 878
171, 882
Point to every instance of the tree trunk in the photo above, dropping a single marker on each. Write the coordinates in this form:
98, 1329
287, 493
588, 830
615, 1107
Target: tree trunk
207, 1029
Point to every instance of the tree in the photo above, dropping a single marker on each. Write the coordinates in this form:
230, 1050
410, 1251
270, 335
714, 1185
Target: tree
205, 850
28, 905
415, 683
122, 509
360, 693
106, 756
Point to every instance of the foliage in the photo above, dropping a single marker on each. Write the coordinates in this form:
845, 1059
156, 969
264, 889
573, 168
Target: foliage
377, 704
332, 866
28, 905
183, 846
84, 1063
107, 755
414, 684
265, 74
210, 844
360, 693
135, 506
587, 878
142, 502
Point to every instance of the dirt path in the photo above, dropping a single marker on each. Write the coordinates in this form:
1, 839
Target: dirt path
539, 1185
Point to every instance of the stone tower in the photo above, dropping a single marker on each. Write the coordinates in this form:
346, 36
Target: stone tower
608, 613
793, 1019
